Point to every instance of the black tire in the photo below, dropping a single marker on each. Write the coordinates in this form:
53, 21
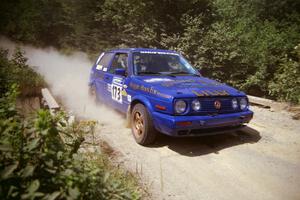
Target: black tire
142, 127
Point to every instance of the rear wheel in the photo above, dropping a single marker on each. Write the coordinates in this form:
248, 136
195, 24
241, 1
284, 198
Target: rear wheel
141, 125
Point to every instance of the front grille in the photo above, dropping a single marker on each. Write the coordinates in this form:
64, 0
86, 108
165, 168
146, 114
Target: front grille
208, 107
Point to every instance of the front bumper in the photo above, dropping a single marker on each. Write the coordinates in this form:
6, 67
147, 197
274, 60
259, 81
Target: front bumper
200, 125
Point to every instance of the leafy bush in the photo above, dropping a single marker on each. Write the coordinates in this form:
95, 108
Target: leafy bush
237, 42
286, 84
39, 159
16, 70
39, 156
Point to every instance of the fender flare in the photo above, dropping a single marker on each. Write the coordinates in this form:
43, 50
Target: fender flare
137, 99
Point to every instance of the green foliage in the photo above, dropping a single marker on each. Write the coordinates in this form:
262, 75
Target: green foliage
34, 21
39, 156
238, 43
16, 71
8, 102
242, 43
286, 84
39, 159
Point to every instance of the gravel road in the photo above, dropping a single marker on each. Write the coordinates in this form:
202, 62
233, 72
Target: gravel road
260, 162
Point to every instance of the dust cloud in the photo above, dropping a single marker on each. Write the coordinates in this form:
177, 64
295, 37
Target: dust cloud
67, 76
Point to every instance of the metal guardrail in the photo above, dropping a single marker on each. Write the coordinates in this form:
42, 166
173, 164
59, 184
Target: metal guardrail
267, 103
260, 101
49, 101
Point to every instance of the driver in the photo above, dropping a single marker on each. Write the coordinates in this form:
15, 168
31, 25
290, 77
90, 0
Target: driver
140, 64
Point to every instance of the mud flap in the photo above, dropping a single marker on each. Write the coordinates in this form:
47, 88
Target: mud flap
128, 116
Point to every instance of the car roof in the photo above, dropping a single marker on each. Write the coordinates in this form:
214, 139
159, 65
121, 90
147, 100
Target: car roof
140, 49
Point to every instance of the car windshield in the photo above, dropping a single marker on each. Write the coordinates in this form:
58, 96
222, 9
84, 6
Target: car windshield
161, 63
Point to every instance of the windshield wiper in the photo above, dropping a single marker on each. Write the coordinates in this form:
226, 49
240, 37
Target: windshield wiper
159, 73
183, 72
195, 74
148, 72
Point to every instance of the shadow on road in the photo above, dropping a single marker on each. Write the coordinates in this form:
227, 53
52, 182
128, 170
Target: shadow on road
197, 146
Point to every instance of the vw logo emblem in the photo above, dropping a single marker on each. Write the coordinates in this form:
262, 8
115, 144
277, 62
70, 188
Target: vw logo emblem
217, 104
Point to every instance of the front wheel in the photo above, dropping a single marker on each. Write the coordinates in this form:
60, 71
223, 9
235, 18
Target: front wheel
141, 125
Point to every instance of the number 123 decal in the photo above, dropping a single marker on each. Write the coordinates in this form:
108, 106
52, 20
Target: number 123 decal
116, 93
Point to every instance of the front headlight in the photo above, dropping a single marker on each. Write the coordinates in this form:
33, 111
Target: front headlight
243, 103
235, 104
180, 106
196, 105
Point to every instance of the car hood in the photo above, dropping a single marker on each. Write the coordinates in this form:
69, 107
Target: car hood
188, 86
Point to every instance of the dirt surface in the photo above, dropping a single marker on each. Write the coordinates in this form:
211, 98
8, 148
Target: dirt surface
260, 162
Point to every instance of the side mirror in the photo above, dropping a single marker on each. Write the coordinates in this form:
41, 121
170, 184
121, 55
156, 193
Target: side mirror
200, 71
120, 71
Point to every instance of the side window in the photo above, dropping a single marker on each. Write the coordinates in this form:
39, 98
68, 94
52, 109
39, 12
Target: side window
104, 61
120, 61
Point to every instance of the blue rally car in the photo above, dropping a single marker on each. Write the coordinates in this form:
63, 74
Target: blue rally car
161, 92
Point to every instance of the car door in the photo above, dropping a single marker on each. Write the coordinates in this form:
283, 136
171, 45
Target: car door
101, 67
116, 92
